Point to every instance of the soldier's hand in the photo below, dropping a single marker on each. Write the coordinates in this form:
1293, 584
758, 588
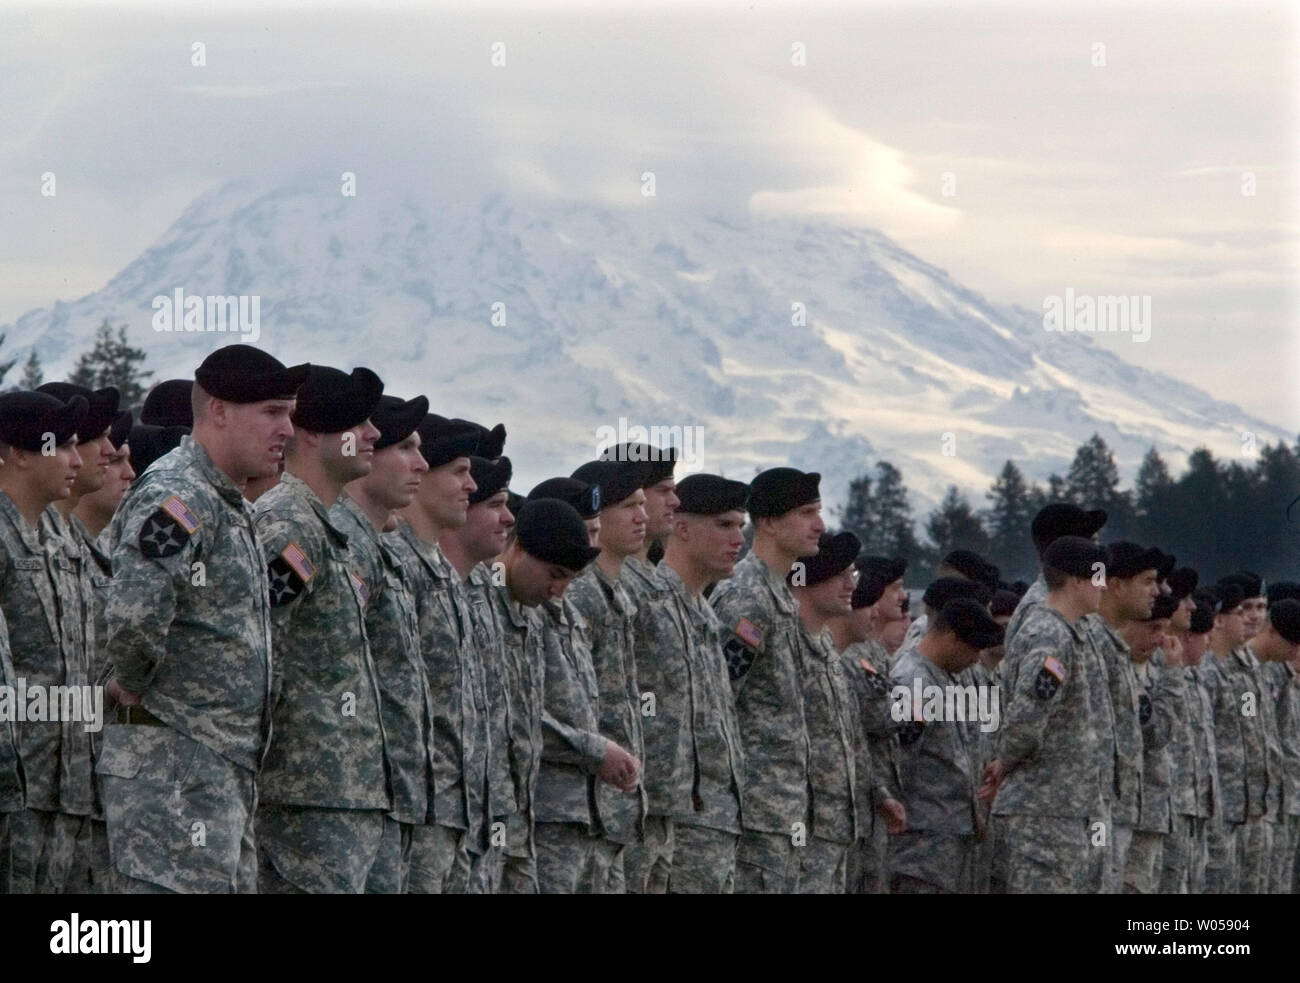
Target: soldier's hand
993, 775
1173, 647
122, 697
895, 816
619, 768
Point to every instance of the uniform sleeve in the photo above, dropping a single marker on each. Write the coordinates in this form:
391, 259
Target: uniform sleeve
1158, 731
1042, 667
567, 745
746, 628
162, 534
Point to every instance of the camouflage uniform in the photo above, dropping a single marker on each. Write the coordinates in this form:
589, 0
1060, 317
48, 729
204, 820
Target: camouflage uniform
938, 782
865, 668
983, 751
1051, 752
1286, 687
457, 823
1035, 595
1208, 795
189, 632
1146, 854
694, 766
762, 661
1129, 713
323, 788
12, 792
523, 661
405, 704
500, 795
609, 617
831, 716
1181, 846
638, 578
1254, 843
566, 810
1242, 793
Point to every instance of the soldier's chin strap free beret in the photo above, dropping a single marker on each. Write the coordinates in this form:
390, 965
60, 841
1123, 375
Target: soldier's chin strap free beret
28, 420
244, 374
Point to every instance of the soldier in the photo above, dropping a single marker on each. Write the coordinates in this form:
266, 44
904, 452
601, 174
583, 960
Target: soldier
1208, 795
456, 829
1158, 700
189, 640
1241, 781
1287, 686
168, 404
762, 661
661, 500
548, 554
323, 790
363, 513
469, 549
1044, 782
1052, 521
877, 600
1130, 591
600, 597
38, 447
823, 584
694, 766
966, 565
96, 509
937, 754
148, 443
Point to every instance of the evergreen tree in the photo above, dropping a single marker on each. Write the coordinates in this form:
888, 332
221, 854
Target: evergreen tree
954, 525
113, 362
33, 376
5, 366
1013, 504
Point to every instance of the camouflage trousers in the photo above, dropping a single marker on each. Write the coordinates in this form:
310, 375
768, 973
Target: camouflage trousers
648, 865
982, 857
1145, 862
767, 863
310, 850
1182, 865
823, 866
440, 860
1097, 876
704, 861
1221, 870
90, 866
39, 851
1045, 854
1121, 839
391, 871
518, 875
1286, 841
607, 863
1253, 847
565, 854
179, 816
931, 862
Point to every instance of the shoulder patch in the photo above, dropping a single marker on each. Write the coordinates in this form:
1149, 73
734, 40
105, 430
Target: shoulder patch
1049, 680
749, 633
739, 655
1144, 709
289, 573
167, 530
359, 585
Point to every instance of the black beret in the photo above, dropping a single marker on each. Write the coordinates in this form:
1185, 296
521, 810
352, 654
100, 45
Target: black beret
101, 405
1280, 590
972, 566
491, 477
1059, 519
1251, 584
514, 502
331, 401
553, 532
1020, 588
121, 429
490, 442
835, 554
776, 491
617, 479
1074, 556
26, 417
1167, 563
582, 497
971, 622
396, 419
660, 461
168, 404
1182, 582
946, 589
244, 374
875, 573
1227, 596
1202, 619
710, 494
1124, 559
148, 443
443, 440
1004, 603
1164, 606
1285, 618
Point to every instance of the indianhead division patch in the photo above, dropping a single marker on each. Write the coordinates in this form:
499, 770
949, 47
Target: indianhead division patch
289, 574
166, 532
1144, 709
1049, 678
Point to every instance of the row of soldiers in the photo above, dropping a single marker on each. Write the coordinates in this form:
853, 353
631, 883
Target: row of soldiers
341, 655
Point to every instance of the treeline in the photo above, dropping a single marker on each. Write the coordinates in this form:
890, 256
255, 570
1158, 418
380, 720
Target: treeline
1217, 516
110, 361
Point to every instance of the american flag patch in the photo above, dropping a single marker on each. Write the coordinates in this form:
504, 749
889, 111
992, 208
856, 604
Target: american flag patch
749, 633
362, 590
1055, 668
298, 562
181, 513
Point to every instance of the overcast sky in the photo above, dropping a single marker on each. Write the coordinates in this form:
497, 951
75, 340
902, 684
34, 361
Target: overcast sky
1099, 147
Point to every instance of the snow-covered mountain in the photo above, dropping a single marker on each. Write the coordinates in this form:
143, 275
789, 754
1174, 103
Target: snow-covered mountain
813, 345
